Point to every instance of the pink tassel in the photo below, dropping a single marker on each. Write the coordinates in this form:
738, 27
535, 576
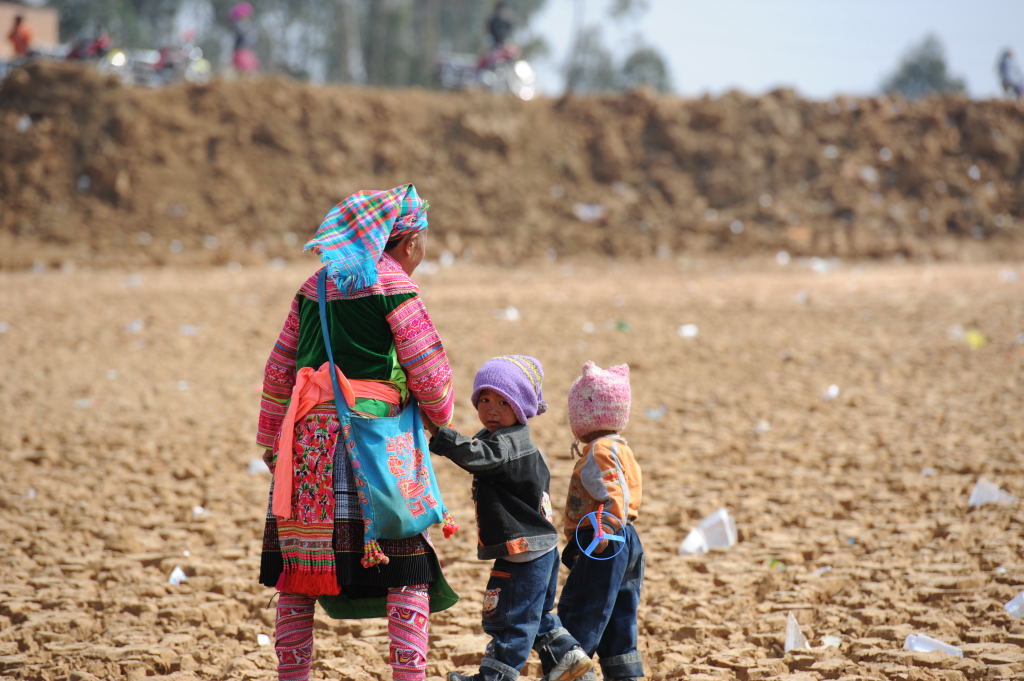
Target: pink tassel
373, 555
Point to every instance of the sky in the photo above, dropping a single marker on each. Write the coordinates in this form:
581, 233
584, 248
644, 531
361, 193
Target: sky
819, 47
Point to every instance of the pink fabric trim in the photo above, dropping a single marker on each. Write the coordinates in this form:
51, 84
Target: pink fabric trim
278, 379
423, 358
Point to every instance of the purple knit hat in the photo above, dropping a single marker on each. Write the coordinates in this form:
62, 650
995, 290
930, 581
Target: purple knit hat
599, 399
518, 379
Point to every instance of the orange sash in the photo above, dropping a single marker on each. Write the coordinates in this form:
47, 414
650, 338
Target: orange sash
313, 387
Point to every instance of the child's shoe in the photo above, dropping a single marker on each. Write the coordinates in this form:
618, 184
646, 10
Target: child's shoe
574, 664
455, 676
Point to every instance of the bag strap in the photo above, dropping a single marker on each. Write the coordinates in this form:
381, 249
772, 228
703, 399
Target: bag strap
321, 294
372, 553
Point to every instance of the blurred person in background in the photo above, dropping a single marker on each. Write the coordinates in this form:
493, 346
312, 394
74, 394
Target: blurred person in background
499, 26
243, 57
20, 37
1009, 75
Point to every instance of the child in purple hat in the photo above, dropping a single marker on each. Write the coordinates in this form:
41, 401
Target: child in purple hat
515, 525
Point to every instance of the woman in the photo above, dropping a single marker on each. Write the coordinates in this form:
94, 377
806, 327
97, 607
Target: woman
386, 345
243, 58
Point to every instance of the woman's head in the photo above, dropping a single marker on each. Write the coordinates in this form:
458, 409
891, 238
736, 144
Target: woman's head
599, 400
516, 381
356, 232
408, 250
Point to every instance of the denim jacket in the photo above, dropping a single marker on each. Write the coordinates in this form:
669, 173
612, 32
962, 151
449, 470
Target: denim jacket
510, 488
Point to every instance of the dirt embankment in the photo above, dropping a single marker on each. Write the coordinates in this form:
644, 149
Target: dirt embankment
96, 173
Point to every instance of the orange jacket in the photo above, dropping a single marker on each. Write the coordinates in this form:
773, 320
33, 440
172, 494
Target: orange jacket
606, 473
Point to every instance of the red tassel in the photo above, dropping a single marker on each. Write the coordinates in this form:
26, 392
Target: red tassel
308, 583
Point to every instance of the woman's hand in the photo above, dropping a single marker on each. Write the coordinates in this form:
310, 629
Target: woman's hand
428, 424
268, 459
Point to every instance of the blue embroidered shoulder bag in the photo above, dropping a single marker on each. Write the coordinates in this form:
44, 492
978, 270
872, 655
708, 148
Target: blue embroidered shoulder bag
390, 463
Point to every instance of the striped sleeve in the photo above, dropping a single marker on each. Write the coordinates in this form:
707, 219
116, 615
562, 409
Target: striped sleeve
278, 379
423, 358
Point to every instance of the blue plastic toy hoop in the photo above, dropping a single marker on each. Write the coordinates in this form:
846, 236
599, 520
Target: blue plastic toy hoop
619, 536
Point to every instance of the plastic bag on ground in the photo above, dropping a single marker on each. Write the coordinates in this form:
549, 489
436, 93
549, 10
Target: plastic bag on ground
719, 529
921, 643
794, 637
694, 544
716, 531
1015, 606
987, 492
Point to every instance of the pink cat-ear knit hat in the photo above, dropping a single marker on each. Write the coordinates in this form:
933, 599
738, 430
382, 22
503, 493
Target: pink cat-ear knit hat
599, 399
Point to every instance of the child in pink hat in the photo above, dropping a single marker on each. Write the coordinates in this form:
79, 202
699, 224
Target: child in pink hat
599, 601
516, 529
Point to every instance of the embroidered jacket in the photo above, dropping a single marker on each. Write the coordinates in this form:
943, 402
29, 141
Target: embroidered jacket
606, 473
380, 333
510, 488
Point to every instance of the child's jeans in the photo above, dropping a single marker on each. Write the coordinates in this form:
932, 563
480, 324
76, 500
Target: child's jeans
599, 603
517, 616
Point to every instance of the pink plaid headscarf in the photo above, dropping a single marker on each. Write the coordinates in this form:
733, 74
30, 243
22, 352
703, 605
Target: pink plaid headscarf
354, 233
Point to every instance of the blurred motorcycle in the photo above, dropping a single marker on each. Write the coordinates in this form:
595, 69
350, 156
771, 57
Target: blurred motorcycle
92, 47
98, 50
501, 70
171, 64
153, 68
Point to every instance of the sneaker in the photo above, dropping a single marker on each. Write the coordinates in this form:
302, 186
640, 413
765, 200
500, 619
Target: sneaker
455, 676
574, 664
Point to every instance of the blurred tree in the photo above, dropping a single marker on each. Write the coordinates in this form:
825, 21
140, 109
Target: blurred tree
376, 42
922, 71
398, 42
119, 18
350, 67
621, 8
646, 67
591, 67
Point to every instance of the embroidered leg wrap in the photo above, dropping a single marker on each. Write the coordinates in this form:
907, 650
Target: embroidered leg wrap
408, 610
293, 635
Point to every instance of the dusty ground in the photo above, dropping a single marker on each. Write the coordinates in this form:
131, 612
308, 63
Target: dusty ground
130, 397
